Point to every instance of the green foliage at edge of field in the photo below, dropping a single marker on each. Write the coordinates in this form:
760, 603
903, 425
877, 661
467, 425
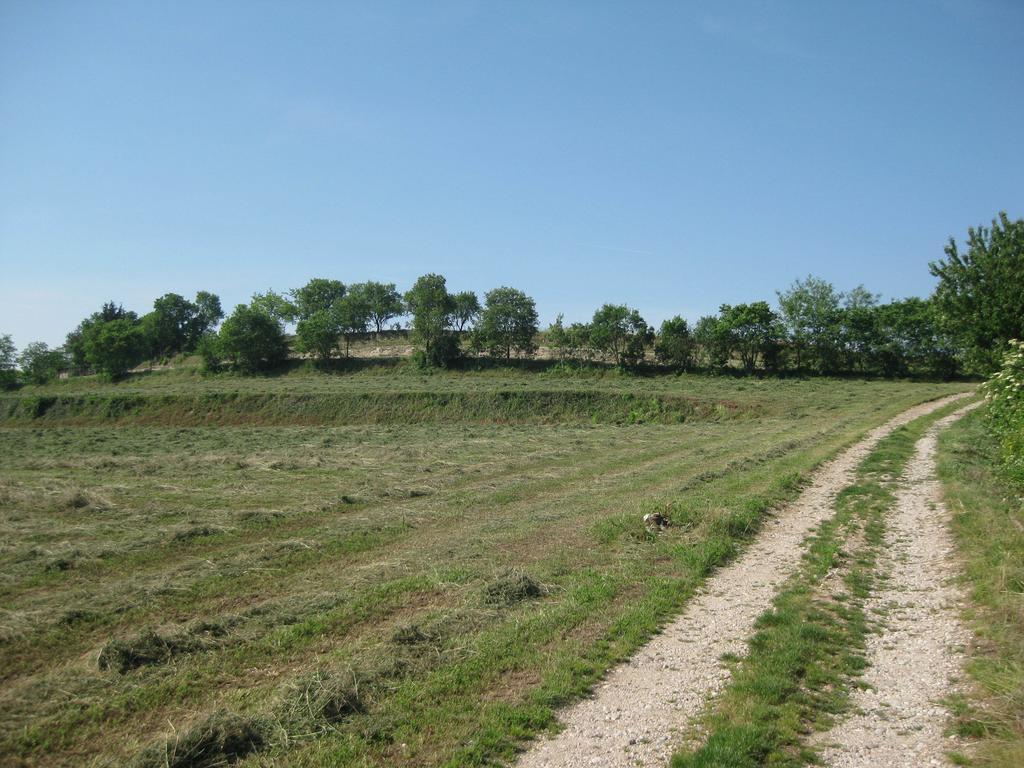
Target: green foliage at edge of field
988, 522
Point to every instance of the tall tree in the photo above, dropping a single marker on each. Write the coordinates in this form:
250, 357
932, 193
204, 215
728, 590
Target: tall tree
8, 361
318, 295
39, 363
171, 324
431, 306
252, 339
508, 322
753, 332
352, 313
980, 296
274, 305
674, 345
712, 338
810, 309
383, 302
114, 347
318, 334
75, 344
620, 333
465, 309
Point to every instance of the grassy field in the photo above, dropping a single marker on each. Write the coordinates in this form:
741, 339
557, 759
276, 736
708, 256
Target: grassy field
333, 581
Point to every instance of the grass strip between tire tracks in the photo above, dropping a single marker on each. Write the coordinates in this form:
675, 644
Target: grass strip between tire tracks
809, 647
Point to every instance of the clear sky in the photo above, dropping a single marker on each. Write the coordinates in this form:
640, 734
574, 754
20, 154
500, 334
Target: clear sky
672, 156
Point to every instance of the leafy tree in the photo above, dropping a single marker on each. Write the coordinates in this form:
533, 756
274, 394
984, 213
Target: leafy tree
980, 296
318, 334
619, 332
466, 309
208, 315
39, 363
8, 360
712, 337
170, 324
572, 343
252, 340
752, 331
352, 313
908, 337
811, 311
114, 347
674, 345
274, 305
318, 295
858, 321
383, 302
431, 306
76, 342
508, 322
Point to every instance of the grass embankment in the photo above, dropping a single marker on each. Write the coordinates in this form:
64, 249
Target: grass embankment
988, 522
421, 594
808, 649
335, 408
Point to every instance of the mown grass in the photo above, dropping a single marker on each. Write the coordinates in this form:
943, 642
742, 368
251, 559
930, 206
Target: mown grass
469, 576
804, 659
988, 515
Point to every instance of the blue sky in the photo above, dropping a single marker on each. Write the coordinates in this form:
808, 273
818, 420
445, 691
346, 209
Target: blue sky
672, 156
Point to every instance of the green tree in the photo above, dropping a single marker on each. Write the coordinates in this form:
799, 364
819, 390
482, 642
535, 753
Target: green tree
114, 347
209, 313
811, 312
171, 324
570, 343
674, 345
252, 340
431, 307
40, 364
858, 321
352, 313
908, 338
465, 309
508, 322
752, 331
274, 305
620, 333
318, 334
979, 296
383, 302
75, 344
712, 338
8, 361
318, 295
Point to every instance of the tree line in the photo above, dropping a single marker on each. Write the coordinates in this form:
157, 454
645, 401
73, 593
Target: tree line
976, 309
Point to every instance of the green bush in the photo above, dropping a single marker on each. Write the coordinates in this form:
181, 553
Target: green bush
1004, 393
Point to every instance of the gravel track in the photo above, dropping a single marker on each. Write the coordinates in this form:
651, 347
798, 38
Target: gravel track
637, 713
916, 660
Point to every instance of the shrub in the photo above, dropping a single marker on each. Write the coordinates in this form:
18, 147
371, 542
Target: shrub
1004, 393
252, 339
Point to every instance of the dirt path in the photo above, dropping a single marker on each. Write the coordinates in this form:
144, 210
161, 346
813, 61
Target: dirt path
916, 659
636, 714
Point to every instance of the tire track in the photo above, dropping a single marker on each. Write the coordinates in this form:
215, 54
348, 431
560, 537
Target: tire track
636, 715
916, 659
